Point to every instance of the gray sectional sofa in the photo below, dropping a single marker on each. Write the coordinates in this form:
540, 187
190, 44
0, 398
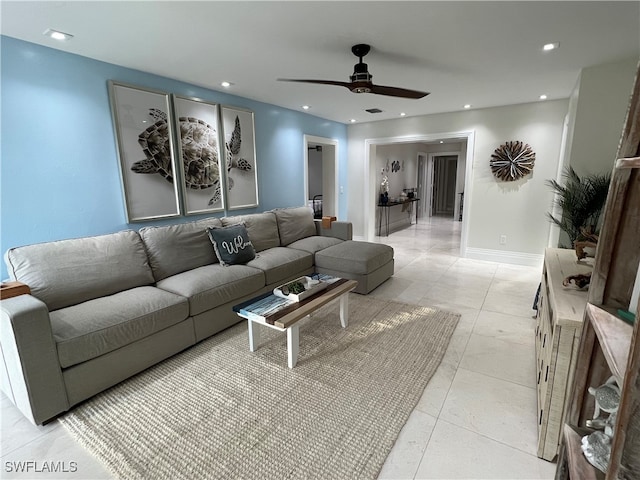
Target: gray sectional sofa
104, 308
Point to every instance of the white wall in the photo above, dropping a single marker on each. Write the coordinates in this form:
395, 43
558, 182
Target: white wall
603, 95
407, 155
515, 209
597, 108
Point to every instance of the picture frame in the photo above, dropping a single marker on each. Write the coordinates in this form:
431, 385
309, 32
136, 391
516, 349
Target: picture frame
199, 156
241, 172
144, 138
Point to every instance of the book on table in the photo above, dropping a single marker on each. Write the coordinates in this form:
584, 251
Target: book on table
262, 308
268, 304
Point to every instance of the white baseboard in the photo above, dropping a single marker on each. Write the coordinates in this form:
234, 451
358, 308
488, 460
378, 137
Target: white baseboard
502, 256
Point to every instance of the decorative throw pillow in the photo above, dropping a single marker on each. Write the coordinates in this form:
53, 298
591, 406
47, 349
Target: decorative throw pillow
232, 244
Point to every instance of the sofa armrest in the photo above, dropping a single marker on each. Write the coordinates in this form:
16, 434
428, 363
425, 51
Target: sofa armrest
341, 230
31, 374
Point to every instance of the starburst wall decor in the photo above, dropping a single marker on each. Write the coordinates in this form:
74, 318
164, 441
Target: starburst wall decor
512, 161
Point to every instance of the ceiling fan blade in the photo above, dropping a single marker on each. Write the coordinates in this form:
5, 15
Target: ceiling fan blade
397, 92
321, 82
361, 80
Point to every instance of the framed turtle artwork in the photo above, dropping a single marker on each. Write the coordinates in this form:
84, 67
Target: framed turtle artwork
144, 137
241, 176
196, 122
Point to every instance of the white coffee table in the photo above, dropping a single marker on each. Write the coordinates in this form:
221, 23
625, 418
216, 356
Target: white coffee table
287, 320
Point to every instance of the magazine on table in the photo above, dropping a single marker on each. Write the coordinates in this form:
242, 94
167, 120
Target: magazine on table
323, 277
261, 309
268, 305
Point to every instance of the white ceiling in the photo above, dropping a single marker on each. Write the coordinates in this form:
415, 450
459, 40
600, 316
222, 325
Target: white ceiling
482, 53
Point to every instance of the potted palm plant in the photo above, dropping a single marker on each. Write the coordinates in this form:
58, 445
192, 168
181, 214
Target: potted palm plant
582, 200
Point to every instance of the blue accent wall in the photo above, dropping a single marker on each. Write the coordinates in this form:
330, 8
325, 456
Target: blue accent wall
59, 172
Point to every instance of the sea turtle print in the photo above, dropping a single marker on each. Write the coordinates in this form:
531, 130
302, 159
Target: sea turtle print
233, 150
233, 154
199, 152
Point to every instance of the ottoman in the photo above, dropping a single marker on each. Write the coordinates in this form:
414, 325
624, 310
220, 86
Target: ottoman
368, 263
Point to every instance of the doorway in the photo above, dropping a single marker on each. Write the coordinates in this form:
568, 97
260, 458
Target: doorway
464, 175
321, 175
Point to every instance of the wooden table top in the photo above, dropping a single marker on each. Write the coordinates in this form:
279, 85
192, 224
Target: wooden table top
293, 313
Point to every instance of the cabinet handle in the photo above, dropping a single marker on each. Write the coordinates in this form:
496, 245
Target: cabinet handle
539, 373
544, 340
540, 421
546, 376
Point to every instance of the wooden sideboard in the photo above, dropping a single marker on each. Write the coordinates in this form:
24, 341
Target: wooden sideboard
558, 329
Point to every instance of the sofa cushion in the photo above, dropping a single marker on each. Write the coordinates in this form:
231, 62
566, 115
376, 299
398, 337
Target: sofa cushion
69, 272
213, 285
232, 244
177, 248
294, 224
282, 263
99, 326
262, 228
315, 243
354, 257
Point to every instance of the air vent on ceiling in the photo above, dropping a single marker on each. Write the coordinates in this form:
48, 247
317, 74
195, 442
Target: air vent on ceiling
373, 110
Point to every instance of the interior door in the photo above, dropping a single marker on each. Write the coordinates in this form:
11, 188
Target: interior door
444, 185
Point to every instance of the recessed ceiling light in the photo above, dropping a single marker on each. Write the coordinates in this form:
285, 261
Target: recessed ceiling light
306, 107
353, 120
441, 141
550, 46
403, 114
57, 35
226, 84
467, 106
543, 97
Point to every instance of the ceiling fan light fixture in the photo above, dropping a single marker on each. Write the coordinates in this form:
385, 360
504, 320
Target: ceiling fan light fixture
361, 90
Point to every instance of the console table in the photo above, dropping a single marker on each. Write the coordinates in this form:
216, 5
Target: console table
384, 208
559, 326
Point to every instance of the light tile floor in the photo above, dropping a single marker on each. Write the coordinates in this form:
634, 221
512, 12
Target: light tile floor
477, 417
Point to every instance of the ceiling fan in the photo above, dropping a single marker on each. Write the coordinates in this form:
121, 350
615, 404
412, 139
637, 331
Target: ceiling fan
361, 79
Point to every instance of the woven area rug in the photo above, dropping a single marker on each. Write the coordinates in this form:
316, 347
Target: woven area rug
218, 410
